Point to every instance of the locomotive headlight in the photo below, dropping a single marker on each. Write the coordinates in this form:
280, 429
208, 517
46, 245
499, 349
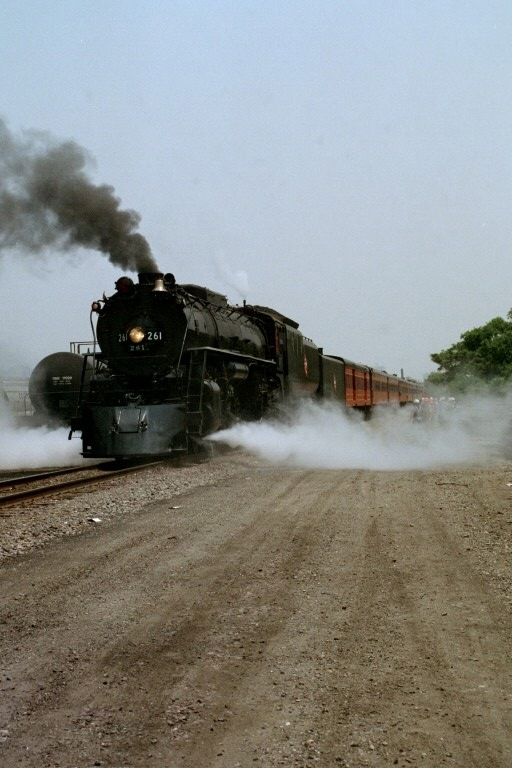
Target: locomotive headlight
136, 335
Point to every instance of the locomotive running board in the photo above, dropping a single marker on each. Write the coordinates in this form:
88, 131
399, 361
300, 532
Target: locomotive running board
240, 356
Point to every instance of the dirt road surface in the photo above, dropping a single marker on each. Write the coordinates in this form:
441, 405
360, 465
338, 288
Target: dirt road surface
271, 617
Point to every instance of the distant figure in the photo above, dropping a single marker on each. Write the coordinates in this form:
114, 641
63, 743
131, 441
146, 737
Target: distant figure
417, 413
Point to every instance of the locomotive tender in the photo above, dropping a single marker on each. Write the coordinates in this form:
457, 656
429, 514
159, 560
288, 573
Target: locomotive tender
177, 362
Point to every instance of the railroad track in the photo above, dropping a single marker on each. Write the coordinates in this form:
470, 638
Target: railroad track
58, 481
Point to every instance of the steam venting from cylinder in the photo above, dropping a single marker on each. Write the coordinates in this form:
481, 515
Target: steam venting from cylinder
47, 200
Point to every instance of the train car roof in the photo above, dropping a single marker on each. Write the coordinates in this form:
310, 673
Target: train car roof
374, 370
348, 362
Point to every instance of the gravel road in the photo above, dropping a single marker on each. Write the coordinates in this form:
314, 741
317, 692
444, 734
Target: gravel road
235, 613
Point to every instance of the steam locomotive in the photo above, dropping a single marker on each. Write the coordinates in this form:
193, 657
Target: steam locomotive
177, 362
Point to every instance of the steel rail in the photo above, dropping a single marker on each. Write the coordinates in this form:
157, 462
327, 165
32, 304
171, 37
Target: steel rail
36, 477
48, 490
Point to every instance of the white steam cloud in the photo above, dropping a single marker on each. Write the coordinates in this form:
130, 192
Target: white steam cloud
235, 279
324, 436
35, 447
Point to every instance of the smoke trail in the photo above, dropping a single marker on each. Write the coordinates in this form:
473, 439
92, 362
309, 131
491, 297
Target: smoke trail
237, 280
47, 200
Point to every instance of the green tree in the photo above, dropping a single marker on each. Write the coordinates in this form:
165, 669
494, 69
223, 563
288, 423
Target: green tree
482, 357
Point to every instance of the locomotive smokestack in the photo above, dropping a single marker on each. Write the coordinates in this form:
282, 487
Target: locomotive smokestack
47, 200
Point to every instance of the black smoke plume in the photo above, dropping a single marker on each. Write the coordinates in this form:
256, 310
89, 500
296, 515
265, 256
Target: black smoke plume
47, 200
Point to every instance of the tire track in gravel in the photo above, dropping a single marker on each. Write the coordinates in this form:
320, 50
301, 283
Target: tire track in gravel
431, 642
237, 601
194, 608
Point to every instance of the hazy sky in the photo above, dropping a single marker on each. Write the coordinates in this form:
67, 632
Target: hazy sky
347, 163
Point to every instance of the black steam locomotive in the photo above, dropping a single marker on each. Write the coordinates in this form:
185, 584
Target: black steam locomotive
177, 362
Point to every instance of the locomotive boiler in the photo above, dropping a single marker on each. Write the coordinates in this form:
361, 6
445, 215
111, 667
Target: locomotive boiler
173, 363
